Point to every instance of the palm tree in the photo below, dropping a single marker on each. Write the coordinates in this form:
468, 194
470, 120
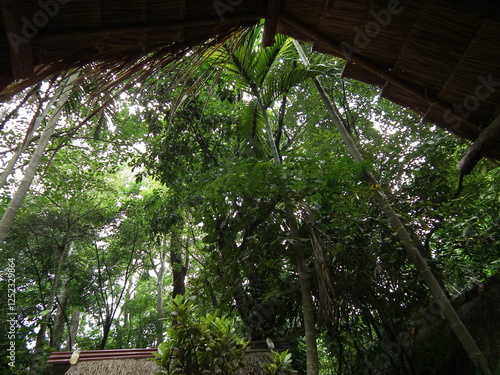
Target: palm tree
266, 76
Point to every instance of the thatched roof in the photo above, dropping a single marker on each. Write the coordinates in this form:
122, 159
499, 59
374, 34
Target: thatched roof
130, 366
145, 366
106, 362
440, 58
437, 349
138, 361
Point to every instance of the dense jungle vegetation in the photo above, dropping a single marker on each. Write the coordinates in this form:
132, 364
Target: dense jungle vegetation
224, 179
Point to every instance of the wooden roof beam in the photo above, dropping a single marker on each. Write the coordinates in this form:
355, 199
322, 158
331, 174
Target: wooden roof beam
21, 56
165, 26
486, 140
271, 24
347, 52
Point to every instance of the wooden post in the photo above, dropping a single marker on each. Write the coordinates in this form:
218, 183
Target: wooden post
271, 24
485, 141
21, 57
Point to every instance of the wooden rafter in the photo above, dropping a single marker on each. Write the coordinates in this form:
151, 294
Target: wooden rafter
182, 16
481, 145
271, 24
345, 51
21, 56
164, 26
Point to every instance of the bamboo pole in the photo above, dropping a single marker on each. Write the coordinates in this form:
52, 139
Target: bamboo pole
456, 324
40, 117
17, 200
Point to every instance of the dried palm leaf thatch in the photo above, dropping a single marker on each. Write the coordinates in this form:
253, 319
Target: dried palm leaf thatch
120, 67
45, 40
145, 366
435, 347
128, 366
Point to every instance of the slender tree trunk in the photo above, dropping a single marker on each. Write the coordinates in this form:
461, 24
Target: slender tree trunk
106, 328
17, 200
449, 312
306, 292
125, 313
58, 326
160, 275
73, 329
159, 307
126, 323
178, 264
35, 124
300, 262
40, 339
111, 307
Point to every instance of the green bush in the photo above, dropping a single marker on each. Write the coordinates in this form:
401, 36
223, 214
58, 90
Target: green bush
280, 362
200, 345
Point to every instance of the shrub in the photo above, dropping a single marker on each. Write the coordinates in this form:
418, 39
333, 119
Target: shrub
200, 345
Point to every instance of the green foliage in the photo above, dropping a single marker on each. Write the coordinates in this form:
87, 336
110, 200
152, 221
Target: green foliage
221, 197
200, 344
280, 362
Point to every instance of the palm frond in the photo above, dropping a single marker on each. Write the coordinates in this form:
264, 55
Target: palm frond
277, 85
250, 131
266, 58
248, 60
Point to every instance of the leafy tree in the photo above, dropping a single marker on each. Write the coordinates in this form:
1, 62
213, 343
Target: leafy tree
268, 75
44, 242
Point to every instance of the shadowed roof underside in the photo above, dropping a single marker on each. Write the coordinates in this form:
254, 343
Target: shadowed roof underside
440, 58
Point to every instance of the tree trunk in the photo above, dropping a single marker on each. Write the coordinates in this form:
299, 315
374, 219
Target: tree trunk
73, 329
58, 326
17, 200
40, 339
300, 262
126, 322
159, 299
306, 292
111, 306
106, 328
122, 333
178, 264
395, 223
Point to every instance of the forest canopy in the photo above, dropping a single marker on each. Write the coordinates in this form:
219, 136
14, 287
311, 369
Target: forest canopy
224, 178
